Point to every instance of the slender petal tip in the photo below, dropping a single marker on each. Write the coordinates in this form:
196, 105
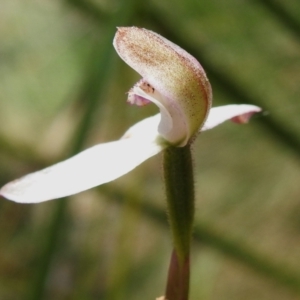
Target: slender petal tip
236, 113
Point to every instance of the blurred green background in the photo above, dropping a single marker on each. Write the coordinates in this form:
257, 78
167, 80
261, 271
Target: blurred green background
63, 88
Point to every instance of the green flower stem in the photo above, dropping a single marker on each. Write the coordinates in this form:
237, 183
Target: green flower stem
179, 183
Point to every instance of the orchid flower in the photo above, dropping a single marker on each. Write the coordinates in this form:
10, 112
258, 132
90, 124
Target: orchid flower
173, 80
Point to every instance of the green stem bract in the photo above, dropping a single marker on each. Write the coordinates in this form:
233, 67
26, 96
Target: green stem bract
179, 183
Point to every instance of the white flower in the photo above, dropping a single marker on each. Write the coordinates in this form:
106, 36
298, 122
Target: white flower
174, 81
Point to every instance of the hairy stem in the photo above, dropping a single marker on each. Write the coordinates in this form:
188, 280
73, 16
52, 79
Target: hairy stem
179, 183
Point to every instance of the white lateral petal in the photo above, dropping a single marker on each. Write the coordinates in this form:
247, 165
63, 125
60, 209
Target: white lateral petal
145, 129
90, 168
236, 113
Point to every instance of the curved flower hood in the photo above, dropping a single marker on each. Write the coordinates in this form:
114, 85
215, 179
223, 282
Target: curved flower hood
172, 79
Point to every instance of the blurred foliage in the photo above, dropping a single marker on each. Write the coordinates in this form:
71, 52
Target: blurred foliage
62, 89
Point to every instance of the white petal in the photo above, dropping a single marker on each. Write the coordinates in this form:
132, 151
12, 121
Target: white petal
90, 168
236, 113
145, 129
